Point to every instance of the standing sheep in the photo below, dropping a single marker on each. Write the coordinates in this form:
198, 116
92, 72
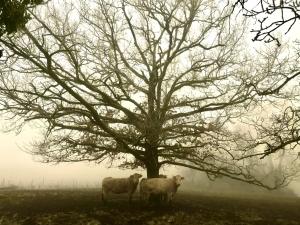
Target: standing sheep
160, 186
120, 185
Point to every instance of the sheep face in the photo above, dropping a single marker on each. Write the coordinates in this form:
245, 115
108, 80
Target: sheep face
178, 180
135, 178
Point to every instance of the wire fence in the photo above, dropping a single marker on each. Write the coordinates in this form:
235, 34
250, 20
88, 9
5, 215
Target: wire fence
43, 183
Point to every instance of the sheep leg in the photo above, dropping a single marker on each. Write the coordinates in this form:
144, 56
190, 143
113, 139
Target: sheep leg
104, 195
130, 197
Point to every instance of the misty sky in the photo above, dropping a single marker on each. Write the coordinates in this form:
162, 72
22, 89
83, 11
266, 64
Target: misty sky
19, 167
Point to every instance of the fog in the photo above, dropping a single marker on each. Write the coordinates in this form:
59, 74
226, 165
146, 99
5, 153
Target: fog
199, 182
18, 167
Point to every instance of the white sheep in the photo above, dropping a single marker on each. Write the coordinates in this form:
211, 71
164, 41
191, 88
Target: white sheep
120, 185
160, 186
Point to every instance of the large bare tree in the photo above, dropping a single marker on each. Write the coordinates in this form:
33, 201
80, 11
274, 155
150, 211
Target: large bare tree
146, 83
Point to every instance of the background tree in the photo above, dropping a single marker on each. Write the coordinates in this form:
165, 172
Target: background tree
13, 14
271, 16
144, 83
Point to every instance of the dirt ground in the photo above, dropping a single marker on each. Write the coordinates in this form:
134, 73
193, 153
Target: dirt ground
84, 207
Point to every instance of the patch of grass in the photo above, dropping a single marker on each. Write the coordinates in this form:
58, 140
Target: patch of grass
84, 207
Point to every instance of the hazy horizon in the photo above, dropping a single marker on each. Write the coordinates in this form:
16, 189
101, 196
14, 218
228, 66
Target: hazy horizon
20, 168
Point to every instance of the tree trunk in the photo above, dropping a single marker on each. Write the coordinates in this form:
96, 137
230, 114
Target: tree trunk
152, 167
152, 170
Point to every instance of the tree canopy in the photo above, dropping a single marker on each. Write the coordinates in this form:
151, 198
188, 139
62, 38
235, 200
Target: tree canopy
148, 84
13, 14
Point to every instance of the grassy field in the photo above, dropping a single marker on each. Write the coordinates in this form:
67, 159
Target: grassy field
76, 207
